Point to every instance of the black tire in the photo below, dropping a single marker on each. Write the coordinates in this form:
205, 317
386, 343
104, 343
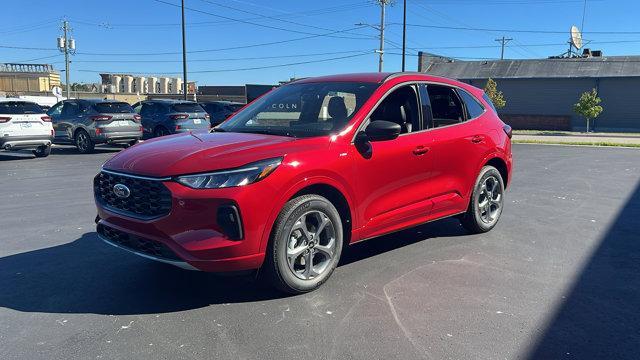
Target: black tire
161, 131
42, 151
279, 270
479, 218
83, 142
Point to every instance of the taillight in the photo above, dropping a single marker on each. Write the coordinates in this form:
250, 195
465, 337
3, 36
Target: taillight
179, 116
137, 117
207, 117
507, 130
46, 118
52, 133
141, 128
101, 118
4, 119
98, 131
177, 127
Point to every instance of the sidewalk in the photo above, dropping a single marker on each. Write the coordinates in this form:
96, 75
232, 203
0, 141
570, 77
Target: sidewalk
601, 139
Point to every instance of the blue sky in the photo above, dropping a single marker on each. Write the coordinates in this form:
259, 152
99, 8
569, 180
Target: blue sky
137, 29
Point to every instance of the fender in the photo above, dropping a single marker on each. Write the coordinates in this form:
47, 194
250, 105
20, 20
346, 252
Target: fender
302, 182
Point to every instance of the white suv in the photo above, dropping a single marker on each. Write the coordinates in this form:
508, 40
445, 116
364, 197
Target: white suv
24, 125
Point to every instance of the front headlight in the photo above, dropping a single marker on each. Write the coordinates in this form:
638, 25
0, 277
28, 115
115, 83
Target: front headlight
244, 175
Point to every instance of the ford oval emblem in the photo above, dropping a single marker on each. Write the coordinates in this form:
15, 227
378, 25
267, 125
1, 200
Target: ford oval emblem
121, 191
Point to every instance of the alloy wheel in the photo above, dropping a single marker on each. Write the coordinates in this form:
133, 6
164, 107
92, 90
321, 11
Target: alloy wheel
83, 141
311, 245
490, 200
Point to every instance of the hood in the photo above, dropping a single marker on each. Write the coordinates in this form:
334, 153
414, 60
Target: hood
194, 153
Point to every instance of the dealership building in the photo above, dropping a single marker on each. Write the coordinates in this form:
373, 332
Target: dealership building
540, 93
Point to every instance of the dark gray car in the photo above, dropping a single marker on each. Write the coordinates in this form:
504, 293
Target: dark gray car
164, 117
87, 122
219, 111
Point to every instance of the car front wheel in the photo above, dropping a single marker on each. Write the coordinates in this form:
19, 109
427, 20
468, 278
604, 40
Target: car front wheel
486, 203
305, 246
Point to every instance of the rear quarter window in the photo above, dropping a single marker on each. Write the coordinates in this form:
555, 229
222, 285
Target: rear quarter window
187, 107
488, 100
113, 107
20, 107
473, 106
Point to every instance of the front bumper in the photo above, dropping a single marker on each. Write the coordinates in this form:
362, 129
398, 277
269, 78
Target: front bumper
192, 229
24, 141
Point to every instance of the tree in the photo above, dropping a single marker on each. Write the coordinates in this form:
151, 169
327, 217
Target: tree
491, 89
588, 106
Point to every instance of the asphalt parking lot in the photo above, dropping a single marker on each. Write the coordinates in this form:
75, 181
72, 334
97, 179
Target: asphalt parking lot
559, 277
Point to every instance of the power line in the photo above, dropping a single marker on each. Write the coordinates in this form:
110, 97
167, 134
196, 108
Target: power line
242, 21
516, 30
244, 69
27, 48
282, 20
314, 12
227, 59
224, 49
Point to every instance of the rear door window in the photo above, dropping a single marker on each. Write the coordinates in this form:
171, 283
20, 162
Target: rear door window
187, 107
113, 107
446, 106
70, 108
474, 109
20, 107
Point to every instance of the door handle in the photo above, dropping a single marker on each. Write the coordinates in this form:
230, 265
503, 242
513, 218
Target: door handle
477, 139
420, 150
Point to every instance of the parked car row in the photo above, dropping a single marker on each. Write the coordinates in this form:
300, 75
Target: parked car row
86, 123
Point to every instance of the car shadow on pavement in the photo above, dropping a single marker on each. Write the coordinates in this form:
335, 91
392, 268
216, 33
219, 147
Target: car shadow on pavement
600, 316
71, 150
88, 276
18, 155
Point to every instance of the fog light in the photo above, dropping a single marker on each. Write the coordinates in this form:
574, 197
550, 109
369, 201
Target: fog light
228, 218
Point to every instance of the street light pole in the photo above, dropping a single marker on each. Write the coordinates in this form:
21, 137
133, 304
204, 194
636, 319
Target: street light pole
404, 32
185, 86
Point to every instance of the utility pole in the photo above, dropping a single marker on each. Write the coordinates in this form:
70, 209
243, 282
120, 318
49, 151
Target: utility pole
185, 85
404, 32
383, 4
67, 46
503, 41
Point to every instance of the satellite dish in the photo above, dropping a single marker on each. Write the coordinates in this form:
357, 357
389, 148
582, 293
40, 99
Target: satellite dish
576, 37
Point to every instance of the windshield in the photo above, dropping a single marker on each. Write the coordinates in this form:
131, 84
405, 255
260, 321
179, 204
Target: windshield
19, 107
302, 110
113, 107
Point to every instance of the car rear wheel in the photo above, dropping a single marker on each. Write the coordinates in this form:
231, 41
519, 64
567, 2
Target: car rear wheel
84, 143
42, 151
487, 202
305, 246
161, 131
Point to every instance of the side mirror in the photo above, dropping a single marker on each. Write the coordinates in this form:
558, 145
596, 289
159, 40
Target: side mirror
381, 130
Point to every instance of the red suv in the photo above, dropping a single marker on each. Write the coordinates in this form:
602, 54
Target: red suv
287, 182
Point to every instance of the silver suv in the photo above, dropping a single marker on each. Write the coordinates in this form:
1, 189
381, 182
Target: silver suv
162, 117
87, 122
